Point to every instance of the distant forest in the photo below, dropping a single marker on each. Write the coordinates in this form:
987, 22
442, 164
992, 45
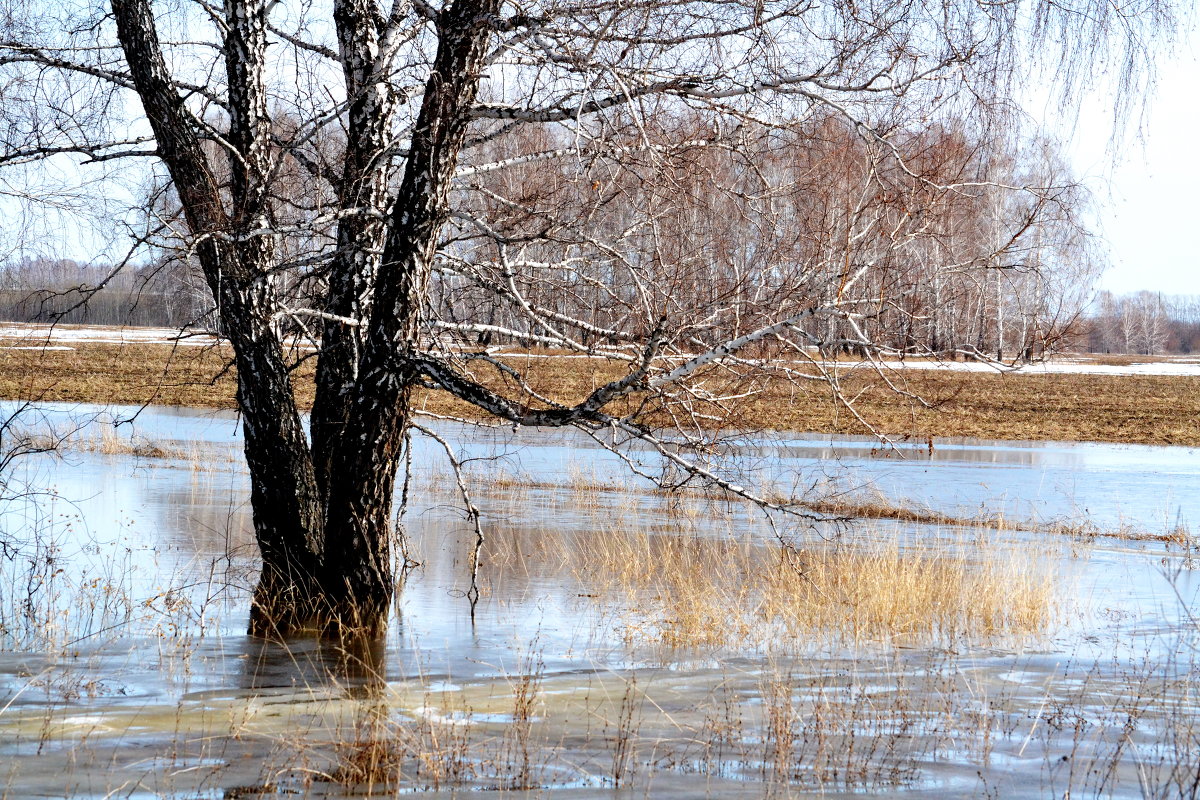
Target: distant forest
1144, 323
65, 291
172, 295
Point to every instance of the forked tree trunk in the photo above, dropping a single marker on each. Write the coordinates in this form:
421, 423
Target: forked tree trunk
356, 566
321, 515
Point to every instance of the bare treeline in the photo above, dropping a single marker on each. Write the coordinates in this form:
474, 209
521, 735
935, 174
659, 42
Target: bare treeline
726, 229
1144, 323
727, 232
59, 290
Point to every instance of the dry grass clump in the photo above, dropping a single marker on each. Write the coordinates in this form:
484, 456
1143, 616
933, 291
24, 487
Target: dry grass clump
386, 752
682, 591
107, 442
103, 440
881, 507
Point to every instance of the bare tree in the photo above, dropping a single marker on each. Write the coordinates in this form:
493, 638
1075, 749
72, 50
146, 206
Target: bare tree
1143, 320
419, 213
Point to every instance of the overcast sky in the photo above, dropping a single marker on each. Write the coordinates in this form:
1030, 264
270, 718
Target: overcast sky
1150, 199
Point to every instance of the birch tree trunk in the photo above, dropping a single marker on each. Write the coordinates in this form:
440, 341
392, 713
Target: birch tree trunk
286, 509
357, 561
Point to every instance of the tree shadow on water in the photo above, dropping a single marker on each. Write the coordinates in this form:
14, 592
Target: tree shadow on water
350, 667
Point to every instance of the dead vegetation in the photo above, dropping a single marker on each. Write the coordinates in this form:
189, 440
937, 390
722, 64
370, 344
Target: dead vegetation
680, 590
783, 727
103, 440
107, 442
582, 491
1124, 409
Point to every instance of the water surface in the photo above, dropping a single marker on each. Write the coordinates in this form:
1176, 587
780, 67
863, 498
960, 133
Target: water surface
125, 670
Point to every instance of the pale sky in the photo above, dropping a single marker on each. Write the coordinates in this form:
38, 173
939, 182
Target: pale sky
1150, 199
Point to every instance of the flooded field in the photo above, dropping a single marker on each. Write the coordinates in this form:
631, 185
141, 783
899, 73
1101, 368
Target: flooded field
626, 643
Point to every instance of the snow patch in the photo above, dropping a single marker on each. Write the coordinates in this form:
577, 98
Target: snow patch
101, 334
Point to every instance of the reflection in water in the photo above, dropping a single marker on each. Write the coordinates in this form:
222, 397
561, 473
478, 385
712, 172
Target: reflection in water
172, 683
355, 667
1113, 485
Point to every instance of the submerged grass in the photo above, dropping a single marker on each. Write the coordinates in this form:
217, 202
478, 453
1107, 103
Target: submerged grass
777, 727
586, 491
895, 698
104, 440
683, 591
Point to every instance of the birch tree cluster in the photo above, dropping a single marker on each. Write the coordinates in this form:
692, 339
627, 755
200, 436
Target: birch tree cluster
709, 235
1144, 323
710, 239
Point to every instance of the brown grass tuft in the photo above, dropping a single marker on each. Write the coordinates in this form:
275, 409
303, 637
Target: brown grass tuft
682, 591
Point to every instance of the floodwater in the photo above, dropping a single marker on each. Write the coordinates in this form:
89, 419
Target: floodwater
125, 671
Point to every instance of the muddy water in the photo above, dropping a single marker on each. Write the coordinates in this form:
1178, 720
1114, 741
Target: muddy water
124, 671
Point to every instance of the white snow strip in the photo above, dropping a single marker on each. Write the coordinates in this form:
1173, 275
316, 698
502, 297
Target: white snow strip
1167, 368
31, 333
1067, 366
101, 334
